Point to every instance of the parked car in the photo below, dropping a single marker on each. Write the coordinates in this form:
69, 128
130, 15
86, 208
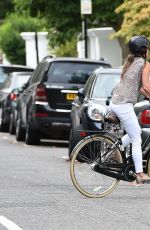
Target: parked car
5, 71
8, 96
44, 106
142, 110
92, 103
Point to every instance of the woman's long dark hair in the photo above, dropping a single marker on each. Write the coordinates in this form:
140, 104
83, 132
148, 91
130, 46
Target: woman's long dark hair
129, 60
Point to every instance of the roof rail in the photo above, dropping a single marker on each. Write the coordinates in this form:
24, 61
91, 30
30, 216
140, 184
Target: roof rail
48, 56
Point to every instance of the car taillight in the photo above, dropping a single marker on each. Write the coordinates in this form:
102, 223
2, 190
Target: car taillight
145, 117
83, 134
40, 94
12, 96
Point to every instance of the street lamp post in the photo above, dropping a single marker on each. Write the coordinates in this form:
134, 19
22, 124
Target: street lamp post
86, 8
36, 47
85, 37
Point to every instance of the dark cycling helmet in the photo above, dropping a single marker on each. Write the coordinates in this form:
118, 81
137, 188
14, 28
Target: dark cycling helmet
138, 45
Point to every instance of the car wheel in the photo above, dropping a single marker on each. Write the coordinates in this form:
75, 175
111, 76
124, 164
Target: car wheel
20, 132
74, 138
11, 125
32, 137
4, 127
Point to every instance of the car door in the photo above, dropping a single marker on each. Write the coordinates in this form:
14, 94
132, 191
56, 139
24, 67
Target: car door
25, 100
80, 102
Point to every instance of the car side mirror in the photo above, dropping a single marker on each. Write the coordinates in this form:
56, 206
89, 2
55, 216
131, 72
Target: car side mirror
16, 91
81, 93
23, 87
108, 101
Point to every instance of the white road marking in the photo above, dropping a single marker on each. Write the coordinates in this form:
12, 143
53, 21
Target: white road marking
8, 224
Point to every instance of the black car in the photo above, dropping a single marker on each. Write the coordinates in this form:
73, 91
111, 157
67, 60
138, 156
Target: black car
8, 97
45, 104
92, 103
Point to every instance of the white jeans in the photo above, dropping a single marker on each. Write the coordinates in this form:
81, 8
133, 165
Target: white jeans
128, 119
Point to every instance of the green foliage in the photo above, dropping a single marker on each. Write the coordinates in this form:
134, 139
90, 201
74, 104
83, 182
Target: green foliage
6, 6
10, 40
68, 49
64, 16
136, 18
103, 13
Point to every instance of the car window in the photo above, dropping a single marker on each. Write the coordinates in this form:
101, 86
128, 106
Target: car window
6, 70
3, 76
70, 72
89, 84
16, 81
39, 72
104, 85
36, 76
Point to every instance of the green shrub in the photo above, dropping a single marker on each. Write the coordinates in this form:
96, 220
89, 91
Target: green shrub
10, 40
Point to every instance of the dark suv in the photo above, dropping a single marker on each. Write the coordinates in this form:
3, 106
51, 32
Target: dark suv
45, 104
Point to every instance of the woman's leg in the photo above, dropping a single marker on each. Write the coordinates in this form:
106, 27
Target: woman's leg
128, 118
126, 140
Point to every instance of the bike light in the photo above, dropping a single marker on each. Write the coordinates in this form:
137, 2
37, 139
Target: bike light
145, 117
96, 112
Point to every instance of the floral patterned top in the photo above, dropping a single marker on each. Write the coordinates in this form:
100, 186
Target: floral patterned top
126, 91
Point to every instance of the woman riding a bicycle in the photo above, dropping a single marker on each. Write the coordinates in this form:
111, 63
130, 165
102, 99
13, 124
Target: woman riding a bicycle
134, 80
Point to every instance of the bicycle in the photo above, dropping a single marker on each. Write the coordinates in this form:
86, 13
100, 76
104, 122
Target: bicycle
99, 161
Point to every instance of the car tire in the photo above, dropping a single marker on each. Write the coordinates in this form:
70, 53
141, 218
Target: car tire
20, 132
11, 125
4, 127
32, 137
74, 138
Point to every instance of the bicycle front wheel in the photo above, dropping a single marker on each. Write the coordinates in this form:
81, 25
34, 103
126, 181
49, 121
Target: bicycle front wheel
89, 151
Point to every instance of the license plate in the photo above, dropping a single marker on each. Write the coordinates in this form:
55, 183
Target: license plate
71, 96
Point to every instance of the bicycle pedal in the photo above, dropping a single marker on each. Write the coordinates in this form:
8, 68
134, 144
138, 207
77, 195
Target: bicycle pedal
131, 173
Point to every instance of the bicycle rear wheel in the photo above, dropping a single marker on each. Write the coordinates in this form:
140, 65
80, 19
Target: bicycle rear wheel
89, 151
148, 165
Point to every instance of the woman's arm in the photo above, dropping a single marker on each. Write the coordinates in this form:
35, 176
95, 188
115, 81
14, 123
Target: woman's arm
146, 79
142, 91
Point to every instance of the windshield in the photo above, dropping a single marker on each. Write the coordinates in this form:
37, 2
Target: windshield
72, 72
104, 85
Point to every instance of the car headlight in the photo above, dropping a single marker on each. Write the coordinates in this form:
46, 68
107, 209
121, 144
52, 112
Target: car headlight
96, 112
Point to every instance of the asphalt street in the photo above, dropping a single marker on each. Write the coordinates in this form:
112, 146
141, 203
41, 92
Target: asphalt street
36, 193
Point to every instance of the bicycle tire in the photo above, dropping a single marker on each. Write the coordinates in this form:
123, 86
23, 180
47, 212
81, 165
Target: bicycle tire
148, 165
87, 181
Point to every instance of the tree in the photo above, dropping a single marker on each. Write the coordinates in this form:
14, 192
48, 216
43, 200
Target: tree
136, 18
6, 7
64, 17
10, 41
67, 50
